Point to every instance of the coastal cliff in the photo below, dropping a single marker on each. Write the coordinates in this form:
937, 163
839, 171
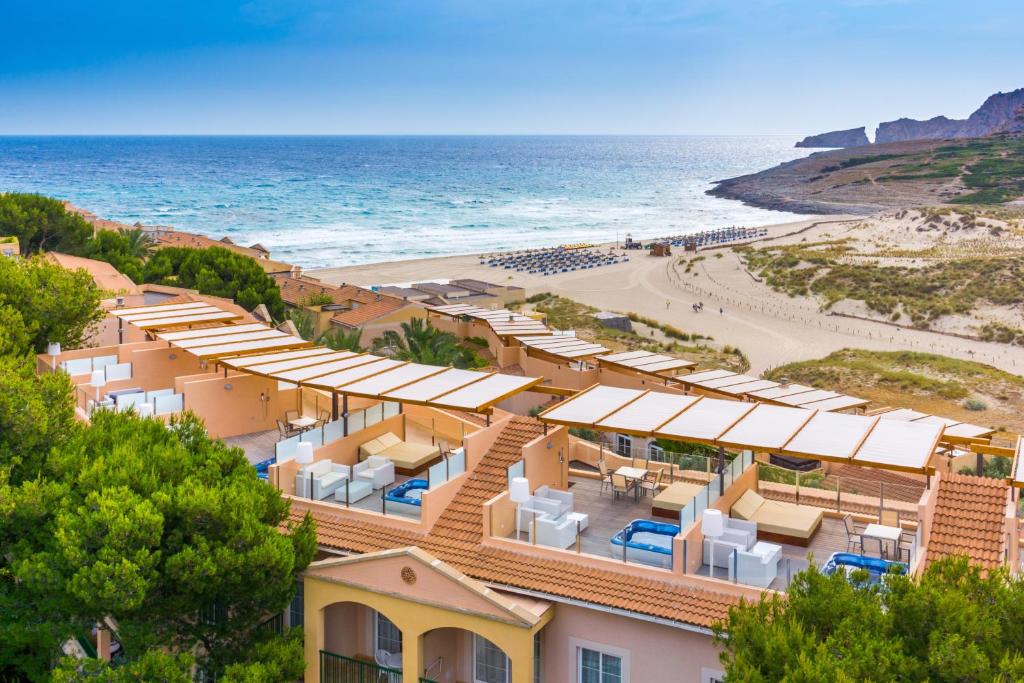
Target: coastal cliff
1000, 113
852, 137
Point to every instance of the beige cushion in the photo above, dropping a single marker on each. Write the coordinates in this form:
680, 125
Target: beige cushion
787, 519
372, 447
747, 506
676, 496
387, 439
410, 456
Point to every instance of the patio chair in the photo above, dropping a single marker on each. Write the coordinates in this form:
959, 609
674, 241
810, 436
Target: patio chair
651, 486
388, 659
621, 485
285, 431
606, 475
853, 534
906, 542
325, 416
889, 518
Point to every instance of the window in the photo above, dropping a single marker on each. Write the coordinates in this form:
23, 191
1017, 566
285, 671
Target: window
623, 445
296, 610
536, 657
490, 665
388, 636
655, 452
598, 667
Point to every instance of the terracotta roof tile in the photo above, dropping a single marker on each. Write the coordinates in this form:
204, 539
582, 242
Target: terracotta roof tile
455, 539
369, 304
968, 520
369, 311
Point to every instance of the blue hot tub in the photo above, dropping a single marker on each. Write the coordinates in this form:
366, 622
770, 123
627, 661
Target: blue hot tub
876, 567
646, 541
408, 492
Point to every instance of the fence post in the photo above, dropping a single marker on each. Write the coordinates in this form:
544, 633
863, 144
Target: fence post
348, 497
735, 567
881, 500
383, 500
578, 539
797, 487
838, 494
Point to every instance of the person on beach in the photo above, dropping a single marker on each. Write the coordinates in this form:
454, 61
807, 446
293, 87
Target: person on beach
721, 311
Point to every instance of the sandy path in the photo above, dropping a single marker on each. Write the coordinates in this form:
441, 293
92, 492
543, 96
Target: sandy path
771, 328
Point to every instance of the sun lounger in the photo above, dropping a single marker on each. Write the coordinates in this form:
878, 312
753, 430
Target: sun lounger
409, 458
777, 521
670, 502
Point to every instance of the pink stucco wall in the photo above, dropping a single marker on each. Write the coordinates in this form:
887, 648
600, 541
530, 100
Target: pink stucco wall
651, 652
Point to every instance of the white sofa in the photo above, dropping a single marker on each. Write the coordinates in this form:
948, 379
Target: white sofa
563, 498
357, 488
757, 566
738, 535
545, 502
377, 470
325, 476
556, 533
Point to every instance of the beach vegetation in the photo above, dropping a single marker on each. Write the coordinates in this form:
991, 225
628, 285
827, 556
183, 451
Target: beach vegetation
218, 272
564, 313
924, 293
926, 382
957, 622
420, 342
42, 302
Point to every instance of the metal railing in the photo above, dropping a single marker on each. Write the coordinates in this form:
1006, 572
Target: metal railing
887, 500
340, 669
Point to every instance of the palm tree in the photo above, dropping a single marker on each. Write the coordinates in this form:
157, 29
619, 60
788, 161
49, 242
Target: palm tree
340, 339
140, 242
304, 322
421, 342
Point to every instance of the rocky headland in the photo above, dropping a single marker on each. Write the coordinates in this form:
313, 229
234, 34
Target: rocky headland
852, 137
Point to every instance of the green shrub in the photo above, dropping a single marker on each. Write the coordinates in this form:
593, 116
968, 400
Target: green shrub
975, 404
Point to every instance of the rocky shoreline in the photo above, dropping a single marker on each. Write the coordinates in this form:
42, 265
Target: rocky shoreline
855, 180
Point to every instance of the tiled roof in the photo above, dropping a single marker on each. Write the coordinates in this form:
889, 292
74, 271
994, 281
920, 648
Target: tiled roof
297, 290
968, 520
369, 311
455, 539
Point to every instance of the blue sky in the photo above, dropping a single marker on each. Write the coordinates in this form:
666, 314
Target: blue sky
499, 66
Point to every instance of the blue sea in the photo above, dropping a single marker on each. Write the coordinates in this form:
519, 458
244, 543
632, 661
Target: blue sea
328, 201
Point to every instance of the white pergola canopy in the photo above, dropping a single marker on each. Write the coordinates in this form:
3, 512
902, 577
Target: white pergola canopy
562, 346
258, 349
503, 322
645, 362
808, 433
164, 316
747, 387
385, 379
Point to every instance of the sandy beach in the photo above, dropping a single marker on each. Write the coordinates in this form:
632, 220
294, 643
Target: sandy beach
771, 328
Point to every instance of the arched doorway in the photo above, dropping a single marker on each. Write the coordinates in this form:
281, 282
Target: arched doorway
455, 654
360, 643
